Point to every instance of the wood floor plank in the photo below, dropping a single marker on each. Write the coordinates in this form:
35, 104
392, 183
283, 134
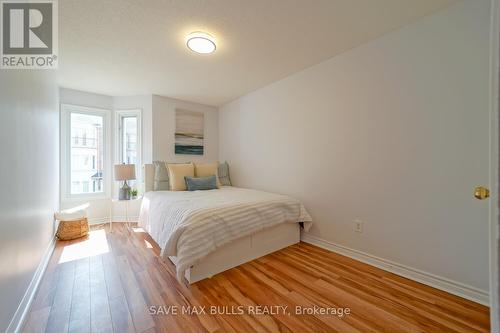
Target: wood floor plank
100, 314
135, 299
162, 322
263, 295
239, 298
423, 304
80, 301
357, 320
112, 276
122, 320
114, 291
172, 295
61, 307
372, 294
313, 280
241, 323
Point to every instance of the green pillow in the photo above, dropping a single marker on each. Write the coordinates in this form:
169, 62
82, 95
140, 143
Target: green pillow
223, 173
161, 182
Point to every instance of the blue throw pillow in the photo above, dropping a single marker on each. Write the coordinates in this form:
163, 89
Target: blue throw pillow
201, 183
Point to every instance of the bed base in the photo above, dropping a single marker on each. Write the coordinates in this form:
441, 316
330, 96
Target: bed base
243, 250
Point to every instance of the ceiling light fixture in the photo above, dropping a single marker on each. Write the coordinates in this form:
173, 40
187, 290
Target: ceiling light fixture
201, 42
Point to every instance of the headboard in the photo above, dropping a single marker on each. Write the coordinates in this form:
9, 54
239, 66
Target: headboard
148, 170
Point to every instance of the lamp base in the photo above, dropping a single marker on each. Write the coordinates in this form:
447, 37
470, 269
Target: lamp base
124, 193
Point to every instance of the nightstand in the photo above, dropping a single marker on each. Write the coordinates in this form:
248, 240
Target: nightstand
119, 202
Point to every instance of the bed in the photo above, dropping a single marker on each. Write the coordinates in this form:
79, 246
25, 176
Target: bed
206, 232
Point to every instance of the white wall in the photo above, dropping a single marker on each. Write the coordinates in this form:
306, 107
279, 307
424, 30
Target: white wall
164, 129
81, 98
394, 133
29, 168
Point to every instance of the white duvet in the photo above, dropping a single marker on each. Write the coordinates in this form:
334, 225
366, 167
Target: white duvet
190, 225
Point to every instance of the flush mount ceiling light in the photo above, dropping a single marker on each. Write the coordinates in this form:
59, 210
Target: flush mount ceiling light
200, 42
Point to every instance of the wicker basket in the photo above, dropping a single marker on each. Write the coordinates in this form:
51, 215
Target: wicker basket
68, 230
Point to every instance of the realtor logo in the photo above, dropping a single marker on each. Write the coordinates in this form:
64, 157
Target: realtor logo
29, 34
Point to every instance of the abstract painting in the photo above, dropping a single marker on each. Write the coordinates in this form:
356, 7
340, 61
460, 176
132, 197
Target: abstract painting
189, 127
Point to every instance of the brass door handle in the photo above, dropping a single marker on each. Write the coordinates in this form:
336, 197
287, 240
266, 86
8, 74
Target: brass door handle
481, 193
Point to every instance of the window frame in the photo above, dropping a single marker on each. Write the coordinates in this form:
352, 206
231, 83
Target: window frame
118, 138
66, 111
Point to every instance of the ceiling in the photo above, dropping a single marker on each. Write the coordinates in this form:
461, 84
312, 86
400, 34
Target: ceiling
133, 47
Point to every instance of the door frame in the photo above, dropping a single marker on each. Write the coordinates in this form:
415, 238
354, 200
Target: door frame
494, 165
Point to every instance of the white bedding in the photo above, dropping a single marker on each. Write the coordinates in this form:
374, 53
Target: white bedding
190, 225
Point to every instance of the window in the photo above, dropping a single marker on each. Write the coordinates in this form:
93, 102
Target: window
128, 143
85, 152
83, 125
129, 140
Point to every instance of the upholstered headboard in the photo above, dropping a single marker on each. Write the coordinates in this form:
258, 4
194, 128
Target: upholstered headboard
149, 177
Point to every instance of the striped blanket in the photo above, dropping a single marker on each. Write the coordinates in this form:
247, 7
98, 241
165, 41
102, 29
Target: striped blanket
190, 225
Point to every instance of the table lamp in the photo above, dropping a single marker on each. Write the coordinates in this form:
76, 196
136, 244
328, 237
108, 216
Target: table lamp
124, 172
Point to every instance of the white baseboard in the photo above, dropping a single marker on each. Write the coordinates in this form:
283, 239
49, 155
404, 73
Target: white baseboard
20, 316
119, 219
448, 285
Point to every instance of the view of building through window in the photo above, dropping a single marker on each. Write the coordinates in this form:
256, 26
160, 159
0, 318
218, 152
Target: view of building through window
87, 153
129, 142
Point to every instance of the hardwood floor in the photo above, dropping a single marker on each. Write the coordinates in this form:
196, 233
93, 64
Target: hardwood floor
117, 282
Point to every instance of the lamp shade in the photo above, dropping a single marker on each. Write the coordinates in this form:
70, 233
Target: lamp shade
124, 171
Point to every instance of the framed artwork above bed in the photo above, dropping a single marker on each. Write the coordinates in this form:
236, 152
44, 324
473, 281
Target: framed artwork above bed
189, 130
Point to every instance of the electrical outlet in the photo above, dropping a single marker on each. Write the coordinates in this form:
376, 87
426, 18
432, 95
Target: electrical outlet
358, 226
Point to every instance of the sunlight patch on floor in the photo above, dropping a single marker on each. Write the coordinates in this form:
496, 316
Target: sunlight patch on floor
96, 244
148, 244
138, 229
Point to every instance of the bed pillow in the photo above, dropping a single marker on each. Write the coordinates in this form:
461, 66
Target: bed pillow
223, 174
176, 174
207, 170
201, 183
161, 176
